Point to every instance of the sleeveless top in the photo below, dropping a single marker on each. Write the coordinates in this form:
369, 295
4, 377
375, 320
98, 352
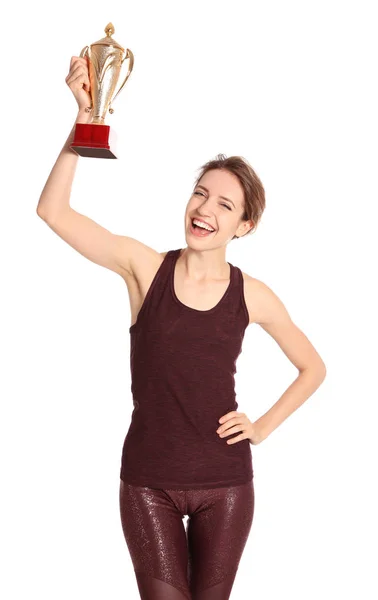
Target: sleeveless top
183, 363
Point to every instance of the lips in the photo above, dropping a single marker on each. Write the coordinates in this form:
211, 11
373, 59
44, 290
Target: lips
200, 232
202, 221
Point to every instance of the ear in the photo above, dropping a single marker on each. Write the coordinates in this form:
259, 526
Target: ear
245, 227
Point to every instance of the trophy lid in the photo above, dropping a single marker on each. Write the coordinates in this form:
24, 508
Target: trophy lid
108, 40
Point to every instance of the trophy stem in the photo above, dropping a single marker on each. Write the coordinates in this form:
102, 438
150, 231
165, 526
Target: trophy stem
97, 121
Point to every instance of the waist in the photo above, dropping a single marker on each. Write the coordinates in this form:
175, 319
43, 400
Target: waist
176, 461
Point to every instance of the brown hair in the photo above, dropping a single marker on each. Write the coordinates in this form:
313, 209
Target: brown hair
254, 193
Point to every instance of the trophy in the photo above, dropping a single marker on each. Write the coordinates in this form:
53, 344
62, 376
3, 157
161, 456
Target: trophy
95, 139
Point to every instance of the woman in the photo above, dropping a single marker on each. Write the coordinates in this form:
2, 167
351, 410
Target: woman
188, 449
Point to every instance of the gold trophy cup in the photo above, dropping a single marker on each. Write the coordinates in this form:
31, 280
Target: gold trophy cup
105, 57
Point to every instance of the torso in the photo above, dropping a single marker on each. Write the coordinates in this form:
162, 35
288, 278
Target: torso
197, 297
183, 362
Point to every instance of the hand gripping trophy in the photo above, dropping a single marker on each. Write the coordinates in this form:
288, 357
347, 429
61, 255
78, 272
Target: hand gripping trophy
105, 57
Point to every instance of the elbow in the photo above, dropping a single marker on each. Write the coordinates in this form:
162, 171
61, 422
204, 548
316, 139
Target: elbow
322, 372
42, 214
322, 368
319, 368
39, 212
317, 371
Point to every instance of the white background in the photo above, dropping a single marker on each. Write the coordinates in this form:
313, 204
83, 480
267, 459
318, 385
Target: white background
290, 86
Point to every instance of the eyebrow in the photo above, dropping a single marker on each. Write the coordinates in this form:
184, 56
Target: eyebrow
223, 197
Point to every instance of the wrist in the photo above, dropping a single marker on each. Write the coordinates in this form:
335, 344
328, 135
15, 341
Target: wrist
258, 434
83, 116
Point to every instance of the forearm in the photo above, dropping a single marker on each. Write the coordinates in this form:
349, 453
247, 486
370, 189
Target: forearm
296, 394
57, 190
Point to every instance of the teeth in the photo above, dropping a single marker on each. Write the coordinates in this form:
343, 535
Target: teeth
200, 224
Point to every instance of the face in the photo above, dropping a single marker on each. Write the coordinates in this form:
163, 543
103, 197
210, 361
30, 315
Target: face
218, 200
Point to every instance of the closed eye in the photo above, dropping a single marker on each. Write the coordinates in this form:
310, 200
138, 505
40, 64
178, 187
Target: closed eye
226, 205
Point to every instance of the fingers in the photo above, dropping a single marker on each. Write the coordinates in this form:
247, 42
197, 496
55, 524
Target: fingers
78, 63
79, 59
78, 72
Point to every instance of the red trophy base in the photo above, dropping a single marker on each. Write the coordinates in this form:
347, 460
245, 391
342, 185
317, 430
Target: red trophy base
95, 141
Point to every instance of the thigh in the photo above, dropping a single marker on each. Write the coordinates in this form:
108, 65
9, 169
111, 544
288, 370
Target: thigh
155, 535
218, 527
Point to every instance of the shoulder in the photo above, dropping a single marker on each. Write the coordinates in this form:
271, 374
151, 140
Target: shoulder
263, 304
163, 254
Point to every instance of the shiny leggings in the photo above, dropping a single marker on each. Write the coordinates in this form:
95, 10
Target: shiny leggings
199, 563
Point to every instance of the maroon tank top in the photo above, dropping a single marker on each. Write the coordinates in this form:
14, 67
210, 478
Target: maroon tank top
183, 363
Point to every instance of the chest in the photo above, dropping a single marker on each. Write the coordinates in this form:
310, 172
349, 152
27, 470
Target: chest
199, 296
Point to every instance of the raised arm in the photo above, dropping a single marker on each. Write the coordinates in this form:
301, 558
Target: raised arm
121, 254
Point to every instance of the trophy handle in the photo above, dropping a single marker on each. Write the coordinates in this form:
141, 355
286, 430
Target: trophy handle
85, 52
129, 55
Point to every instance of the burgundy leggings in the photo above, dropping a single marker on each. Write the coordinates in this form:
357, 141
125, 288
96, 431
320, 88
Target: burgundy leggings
199, 563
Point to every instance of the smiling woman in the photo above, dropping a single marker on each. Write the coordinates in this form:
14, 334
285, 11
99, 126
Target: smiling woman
187, 450
252, 202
